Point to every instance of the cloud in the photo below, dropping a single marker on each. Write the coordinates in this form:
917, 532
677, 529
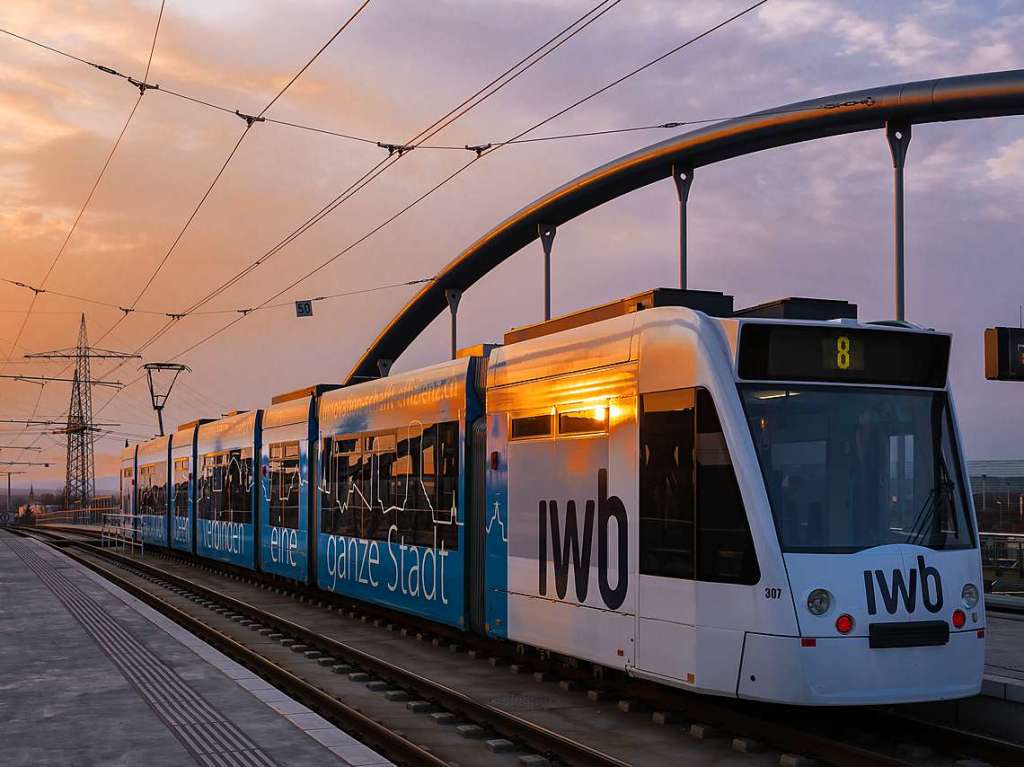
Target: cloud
1007, 166
808, 219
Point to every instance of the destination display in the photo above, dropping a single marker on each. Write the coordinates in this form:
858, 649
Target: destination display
838, 354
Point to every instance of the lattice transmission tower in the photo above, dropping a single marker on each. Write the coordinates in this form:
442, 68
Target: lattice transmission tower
80, 484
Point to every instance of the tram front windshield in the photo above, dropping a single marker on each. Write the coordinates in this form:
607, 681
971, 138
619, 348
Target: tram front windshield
852, 468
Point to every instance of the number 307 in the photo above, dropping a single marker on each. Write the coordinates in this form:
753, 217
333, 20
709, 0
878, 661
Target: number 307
773, 592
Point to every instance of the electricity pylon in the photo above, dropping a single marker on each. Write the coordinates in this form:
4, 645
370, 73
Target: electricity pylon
80, 484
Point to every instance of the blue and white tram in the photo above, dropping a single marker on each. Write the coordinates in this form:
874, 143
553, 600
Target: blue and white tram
392, 490
151, 490
227, 492
766, 509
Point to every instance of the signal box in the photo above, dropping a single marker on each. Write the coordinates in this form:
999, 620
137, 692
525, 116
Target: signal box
1004, 354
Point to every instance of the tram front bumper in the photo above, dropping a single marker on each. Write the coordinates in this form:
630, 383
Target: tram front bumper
845, 671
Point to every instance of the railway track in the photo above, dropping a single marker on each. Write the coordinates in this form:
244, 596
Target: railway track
817, 736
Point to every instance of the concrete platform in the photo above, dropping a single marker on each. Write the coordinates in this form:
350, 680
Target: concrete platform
91, 676
1004, 657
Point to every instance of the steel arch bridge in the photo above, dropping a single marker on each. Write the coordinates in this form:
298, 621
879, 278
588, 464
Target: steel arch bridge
893, 107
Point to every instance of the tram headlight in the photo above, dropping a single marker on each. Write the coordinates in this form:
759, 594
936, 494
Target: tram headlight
819, 601
969, 595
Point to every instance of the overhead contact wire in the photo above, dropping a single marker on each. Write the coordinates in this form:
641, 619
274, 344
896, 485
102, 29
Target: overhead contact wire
476, 159
467, 104
92, 191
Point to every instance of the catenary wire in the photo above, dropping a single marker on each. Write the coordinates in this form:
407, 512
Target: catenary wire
483, 93
459, 171
103, 170
381, 143
250, 121
467, 104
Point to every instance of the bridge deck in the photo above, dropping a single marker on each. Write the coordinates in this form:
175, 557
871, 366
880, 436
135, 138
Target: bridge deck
89, 676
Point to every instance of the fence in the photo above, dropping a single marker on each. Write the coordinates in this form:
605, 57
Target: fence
121, 531
91, 515
1002, 559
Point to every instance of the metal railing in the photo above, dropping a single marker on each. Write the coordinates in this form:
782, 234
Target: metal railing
91, 515
122, 531
1002, 560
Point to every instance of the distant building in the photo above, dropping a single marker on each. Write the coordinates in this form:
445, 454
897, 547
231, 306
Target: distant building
998, 488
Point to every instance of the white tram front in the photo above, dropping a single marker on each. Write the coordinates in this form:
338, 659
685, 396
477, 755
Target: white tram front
773, 510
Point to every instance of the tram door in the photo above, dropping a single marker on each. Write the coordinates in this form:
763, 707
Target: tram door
474, 524
696, 554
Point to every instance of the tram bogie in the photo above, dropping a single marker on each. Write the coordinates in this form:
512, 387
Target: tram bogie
739, 506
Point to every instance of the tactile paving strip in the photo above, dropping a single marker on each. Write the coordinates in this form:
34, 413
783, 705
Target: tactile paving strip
211, 738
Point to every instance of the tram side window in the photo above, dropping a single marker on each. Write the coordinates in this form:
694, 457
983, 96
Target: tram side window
153, 490
160, 489
181, 487
407, 480
692, 520
666, 485
204, 487
126, 491
340, 500
448, 474
328, 485
143, 491
284, 484
241, 478
725, 547
406, 476
375, 490
224, 492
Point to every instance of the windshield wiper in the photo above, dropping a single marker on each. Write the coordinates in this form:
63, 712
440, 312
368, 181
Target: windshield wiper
924, 522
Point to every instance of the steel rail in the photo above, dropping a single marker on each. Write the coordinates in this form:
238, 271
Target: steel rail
755, 724
370, 731
992, 94
503, 722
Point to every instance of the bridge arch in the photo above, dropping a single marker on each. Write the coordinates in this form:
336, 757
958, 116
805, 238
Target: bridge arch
993, 94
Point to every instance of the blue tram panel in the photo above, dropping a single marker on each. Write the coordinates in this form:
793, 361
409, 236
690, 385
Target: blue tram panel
227, 490
496, 528
182, 497
128, 480
152, 491
392, 491
284, 487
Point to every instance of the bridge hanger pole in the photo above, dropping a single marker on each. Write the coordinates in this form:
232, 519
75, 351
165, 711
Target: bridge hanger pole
683, 176
898, 134
547, 237
453, 297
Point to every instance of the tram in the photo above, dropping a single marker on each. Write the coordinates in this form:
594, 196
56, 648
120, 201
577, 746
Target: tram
770, 509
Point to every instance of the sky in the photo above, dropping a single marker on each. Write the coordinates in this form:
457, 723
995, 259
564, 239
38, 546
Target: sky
807, 220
